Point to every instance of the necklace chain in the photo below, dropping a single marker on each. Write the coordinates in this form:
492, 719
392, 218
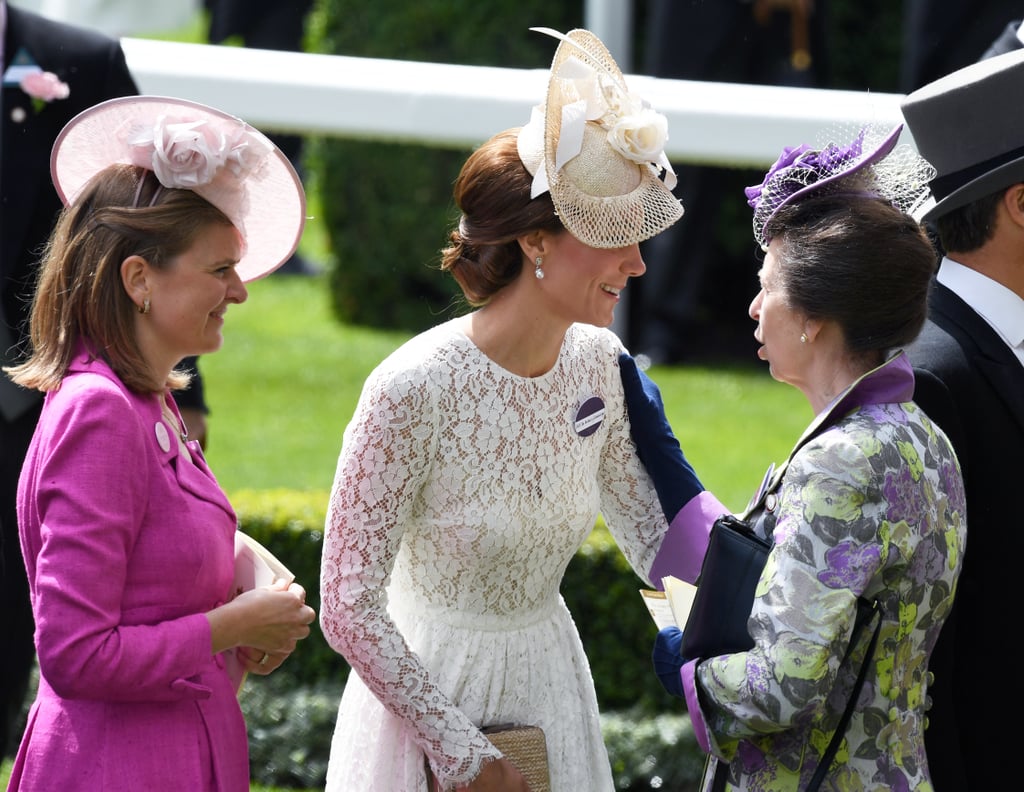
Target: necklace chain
178, 426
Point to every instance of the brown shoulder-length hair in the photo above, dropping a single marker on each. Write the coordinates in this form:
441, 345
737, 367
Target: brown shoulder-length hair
492, 192
123, 211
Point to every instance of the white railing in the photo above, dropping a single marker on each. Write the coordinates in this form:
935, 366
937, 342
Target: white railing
461, 106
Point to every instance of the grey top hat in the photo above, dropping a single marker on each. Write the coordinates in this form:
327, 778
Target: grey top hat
970, 126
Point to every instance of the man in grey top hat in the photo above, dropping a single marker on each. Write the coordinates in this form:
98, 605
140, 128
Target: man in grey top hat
969, 364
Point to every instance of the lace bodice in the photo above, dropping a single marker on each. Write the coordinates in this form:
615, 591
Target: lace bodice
462, 492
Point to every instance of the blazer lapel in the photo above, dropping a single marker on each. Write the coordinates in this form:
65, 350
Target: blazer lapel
994, 359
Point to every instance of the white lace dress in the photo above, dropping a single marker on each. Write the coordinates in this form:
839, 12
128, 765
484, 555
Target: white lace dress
461, 494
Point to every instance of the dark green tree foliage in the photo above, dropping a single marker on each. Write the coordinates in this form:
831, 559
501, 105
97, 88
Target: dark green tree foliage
387, 205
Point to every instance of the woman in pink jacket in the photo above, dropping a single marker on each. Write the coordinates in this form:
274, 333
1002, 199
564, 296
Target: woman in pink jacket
128, 539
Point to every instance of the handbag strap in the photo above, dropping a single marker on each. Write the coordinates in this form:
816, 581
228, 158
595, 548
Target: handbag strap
722, 768
826, 760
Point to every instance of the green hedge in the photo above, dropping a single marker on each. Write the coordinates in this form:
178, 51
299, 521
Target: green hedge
290, 524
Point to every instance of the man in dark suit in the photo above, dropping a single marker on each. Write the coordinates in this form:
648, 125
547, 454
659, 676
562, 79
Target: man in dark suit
969, 365
93, 68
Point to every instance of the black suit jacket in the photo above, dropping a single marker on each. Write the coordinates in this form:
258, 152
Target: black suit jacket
94, 68
972, 385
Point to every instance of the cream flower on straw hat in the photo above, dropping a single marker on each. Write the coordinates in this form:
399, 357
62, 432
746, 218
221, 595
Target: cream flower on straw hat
194, 147
599, 149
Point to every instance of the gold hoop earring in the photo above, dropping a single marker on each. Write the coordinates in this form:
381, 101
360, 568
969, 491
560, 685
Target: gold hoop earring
537, 271
144, 308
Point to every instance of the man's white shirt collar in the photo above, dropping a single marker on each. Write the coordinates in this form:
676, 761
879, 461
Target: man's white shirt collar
995, 303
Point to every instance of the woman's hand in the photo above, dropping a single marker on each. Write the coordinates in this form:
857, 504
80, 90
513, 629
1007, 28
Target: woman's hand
266, 621
657, 447
256, 661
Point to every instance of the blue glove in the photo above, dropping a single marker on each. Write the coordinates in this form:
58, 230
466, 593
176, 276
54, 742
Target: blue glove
667, 659
656, 445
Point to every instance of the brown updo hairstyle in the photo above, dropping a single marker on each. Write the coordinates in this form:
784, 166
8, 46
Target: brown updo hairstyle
79, 293
492, 192
858, 261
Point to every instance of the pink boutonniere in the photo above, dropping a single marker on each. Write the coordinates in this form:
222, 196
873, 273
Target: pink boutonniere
44, 87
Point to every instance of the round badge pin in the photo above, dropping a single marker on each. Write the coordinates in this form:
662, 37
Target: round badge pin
589, 416
162, 436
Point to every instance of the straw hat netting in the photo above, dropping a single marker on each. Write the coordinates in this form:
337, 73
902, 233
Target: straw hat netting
599, 149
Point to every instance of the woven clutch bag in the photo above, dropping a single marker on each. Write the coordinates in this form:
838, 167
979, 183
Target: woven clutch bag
525, 747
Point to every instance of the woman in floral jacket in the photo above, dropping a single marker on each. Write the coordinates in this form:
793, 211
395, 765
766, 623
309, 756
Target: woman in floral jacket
870, 505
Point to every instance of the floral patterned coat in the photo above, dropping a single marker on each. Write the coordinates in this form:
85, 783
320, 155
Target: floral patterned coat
872, 504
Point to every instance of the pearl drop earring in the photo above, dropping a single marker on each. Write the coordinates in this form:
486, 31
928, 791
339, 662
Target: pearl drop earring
539, 262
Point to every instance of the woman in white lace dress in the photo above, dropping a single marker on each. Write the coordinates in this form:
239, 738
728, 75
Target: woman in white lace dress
482, 451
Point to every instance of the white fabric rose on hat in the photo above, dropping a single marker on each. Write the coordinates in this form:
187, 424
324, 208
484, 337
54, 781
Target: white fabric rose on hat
181, 154
640, 136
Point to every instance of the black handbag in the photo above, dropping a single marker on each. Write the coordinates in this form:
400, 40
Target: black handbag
717, 623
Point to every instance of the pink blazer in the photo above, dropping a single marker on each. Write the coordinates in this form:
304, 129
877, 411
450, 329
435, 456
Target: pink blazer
127, 544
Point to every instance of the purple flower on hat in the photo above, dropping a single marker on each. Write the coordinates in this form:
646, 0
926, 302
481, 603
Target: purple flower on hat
813, 166
802, 171
789, 156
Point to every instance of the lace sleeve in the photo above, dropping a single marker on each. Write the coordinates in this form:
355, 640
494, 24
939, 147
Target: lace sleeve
384, 461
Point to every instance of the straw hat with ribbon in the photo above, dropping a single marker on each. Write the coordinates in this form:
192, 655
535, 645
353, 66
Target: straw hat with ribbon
599, 149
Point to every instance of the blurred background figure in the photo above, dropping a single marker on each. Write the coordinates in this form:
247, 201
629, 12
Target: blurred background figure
272, 25
90, 67
1007, 41
685, 293
941, 36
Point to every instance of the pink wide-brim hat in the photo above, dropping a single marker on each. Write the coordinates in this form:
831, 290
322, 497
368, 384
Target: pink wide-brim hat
256, 186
